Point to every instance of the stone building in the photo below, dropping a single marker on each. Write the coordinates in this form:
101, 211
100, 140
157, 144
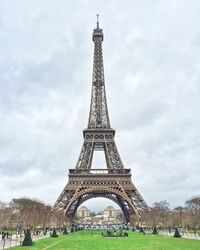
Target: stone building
110, 212
83, 212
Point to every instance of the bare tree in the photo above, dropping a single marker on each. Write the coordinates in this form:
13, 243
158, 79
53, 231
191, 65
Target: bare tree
160, 212
5, 218
178, 216
31, 213
193, 210
2, 205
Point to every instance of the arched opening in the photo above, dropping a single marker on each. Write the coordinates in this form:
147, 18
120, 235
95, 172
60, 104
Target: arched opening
114, 194
85, 195
99, 212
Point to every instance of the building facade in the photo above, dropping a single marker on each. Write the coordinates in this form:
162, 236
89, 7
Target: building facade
83, 212
110, 212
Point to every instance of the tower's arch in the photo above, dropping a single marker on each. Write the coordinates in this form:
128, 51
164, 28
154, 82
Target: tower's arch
91, 194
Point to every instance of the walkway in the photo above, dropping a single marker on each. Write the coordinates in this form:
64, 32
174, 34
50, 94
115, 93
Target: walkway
14, 240
184, 235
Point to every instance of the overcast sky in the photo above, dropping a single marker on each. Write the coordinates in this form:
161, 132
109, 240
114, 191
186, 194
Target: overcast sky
152, 69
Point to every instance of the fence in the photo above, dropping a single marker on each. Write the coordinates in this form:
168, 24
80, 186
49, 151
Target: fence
15, 239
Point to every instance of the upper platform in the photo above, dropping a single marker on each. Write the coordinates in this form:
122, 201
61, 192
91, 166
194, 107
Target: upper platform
95, 172
97, 33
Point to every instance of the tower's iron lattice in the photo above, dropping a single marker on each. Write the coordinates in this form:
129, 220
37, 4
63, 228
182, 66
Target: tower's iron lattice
114, 182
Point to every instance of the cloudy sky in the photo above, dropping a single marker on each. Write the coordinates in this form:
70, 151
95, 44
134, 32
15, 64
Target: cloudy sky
152, 71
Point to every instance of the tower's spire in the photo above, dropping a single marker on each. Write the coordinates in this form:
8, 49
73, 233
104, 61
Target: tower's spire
97, 21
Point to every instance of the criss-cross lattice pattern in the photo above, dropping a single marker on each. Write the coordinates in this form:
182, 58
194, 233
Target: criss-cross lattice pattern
98, 117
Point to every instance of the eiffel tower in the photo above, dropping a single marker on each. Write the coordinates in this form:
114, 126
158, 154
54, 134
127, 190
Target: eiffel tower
114, 182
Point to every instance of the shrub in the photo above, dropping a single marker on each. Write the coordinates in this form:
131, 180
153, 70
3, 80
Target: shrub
65, 231
27, 239
155, 230
125, 234
54, 234
177, 234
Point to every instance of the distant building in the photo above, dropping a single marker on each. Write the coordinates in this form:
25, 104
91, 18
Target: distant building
83, 212
119, 213
110, 212
109, 215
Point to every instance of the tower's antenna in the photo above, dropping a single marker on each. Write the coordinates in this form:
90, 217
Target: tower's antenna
97, 21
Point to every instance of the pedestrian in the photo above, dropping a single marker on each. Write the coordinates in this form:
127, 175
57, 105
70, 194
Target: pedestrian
3, 235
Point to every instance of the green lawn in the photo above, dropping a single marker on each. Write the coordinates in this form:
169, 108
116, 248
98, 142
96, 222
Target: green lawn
92, 240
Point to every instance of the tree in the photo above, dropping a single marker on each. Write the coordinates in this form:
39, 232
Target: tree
2, 205
31, 213
178, 216
58, 218
161, 212
193, 210
5, 217
27, 213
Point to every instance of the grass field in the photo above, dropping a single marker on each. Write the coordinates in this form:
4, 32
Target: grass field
92, 240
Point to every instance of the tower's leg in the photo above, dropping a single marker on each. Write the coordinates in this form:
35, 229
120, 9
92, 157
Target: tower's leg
85, 157
112, 156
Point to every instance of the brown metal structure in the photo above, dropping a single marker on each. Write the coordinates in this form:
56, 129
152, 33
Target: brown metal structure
114, 182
